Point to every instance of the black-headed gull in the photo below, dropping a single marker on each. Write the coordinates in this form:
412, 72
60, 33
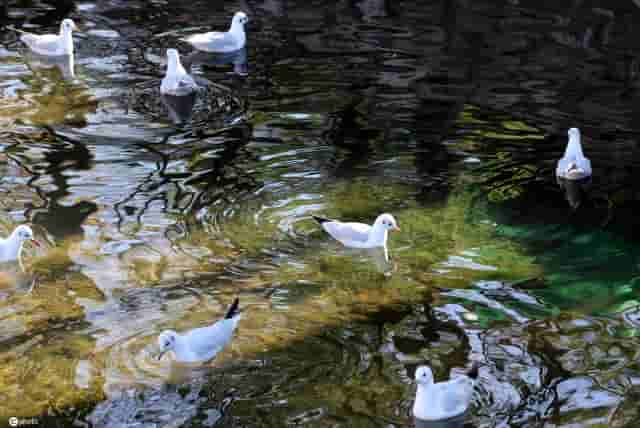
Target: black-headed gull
442, 400
51, 44
360, 235
177, 81
11, 247
200, 344
216, 41
573, 165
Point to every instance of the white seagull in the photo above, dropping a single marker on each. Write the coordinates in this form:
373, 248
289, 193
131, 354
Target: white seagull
573, 165
360, 235
200, 344
443, 400
216, 41
11, 247
51, 44
177, 81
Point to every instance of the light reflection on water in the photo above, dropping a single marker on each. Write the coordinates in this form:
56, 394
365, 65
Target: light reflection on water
348, 111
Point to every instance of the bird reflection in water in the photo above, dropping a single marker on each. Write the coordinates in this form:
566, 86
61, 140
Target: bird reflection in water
179, 108
575, 190
64, 63
237, 58
454, 422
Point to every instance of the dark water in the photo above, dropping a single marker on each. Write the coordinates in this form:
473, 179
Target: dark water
449, 114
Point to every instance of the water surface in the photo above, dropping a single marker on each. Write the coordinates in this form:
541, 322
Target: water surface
448, 114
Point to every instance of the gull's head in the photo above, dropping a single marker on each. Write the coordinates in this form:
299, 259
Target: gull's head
173, 57
172, 54
68, 25
24, 233
574, 133
424, 375
240, 18
167, 341
387, 222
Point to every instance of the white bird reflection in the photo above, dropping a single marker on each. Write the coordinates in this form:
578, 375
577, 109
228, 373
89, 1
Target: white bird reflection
237, 58
64, 63
179, 108
455, 422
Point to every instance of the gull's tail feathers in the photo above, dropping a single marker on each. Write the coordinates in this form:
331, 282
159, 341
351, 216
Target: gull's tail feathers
233, 309
321, 220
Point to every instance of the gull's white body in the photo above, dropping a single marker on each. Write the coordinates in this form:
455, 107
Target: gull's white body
360, 235
51, 44
443, 400
573, 165
11, 247
216, 41
177, 81
201, 344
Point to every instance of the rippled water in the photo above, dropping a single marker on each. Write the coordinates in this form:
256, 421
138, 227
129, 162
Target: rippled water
449, 114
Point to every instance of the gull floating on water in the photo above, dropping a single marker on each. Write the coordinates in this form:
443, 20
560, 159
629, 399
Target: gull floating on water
11, 247
216, 41
200, 344
360, 235
177, 81
51, 44
442, 400
573, 165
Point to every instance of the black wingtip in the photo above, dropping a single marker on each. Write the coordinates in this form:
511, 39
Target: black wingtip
233, 309
320, 219
473, 373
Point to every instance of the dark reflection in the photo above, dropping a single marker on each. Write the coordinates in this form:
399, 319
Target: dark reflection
455, 422
237, 58
60, 156
575, 190
207, 181
180, 108
211, 107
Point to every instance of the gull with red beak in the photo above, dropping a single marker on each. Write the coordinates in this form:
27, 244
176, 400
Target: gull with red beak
11, 247
360, 235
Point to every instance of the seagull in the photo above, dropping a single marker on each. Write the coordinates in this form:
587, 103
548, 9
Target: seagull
573, 165
360, 235
216, 41
51, 44
11, 247
200, 344
177, 81
442, 400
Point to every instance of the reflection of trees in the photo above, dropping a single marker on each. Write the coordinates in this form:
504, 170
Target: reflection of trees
61, 155
547, 372
210, 179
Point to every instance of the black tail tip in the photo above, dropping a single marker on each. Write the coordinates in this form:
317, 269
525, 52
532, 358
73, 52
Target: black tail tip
320, 219
233, 309
473, 373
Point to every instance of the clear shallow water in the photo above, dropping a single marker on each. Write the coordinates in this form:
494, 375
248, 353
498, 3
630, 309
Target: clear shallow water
448, 114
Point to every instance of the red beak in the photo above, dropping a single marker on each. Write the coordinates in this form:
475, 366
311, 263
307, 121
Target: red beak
36, 243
